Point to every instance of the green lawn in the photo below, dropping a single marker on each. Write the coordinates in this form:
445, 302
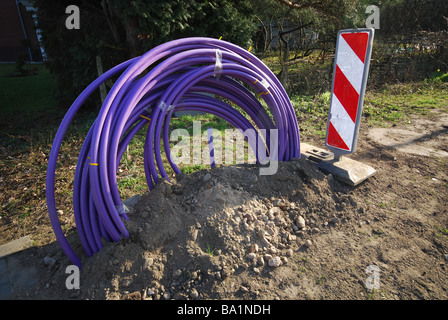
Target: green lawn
25, 93
390, 106
396, 103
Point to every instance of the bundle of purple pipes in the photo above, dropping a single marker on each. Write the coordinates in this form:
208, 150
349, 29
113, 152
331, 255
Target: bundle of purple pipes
168, 78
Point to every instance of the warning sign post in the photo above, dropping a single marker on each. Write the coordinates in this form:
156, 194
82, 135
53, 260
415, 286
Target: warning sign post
351, 68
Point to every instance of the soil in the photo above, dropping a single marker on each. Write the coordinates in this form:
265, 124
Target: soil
229, 233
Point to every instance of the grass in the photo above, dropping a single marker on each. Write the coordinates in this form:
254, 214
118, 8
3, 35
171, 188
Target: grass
306, 76
441, 232
386, 107
210, 251
206, 120
297, 65
31, 93
396, 103
312, 113
320, 280
131, 178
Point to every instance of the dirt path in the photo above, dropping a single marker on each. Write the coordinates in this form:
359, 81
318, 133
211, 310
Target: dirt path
229, 233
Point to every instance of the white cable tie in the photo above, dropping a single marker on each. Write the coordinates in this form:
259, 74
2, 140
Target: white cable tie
162, 105
265, 83
218, 64
122, 209
148, 109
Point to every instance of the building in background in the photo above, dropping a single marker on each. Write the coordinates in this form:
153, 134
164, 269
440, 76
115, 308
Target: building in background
18, 35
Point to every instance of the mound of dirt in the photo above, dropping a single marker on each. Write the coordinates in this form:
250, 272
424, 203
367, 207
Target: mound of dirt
225, 233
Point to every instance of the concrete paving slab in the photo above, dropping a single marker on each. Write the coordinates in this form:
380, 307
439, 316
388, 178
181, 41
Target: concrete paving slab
15, 246
350, 171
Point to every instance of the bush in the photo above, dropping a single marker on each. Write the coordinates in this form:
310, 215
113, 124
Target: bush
439, 76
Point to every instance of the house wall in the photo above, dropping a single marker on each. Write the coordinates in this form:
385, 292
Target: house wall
12, 36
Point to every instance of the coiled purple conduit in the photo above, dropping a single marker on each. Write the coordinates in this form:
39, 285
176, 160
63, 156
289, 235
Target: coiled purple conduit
178, 71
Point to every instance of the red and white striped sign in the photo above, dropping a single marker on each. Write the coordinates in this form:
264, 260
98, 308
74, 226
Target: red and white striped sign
352, 59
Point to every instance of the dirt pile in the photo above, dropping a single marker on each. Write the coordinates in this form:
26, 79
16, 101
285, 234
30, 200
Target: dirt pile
207, 235
214, 234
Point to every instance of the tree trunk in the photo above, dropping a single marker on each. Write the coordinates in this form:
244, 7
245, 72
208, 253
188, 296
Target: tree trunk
285, 53
110, 20
129, 26
131, 37
284, 60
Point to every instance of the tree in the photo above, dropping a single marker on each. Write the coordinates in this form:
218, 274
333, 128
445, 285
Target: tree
70, 52
412, 16
329, 8
117, 30
324, 17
